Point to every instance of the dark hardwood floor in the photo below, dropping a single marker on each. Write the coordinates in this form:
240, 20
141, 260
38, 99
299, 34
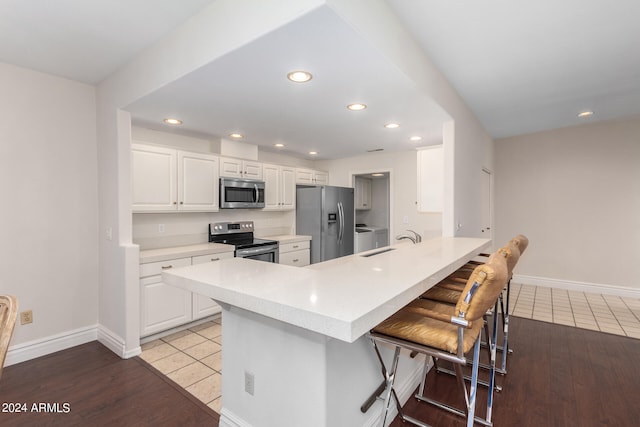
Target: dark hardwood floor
100, 389
558, 376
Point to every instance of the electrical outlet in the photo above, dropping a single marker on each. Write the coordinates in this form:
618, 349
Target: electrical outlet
160, 228
26, 317
249, 383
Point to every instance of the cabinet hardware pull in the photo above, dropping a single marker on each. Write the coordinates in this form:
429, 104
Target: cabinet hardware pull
215, 259
296, 260
295, 247
175, 203
182, 203
166, 267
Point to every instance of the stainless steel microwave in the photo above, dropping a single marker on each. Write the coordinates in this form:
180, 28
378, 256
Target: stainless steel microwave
238, 193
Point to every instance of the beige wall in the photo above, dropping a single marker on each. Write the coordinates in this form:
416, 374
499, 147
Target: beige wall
575, 192
48, 181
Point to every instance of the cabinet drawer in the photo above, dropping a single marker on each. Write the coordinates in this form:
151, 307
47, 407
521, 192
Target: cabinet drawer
201, 259
290, 247
155, 268
295, 258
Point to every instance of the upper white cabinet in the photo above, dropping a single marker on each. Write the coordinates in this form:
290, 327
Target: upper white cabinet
238, 168
311, 177
430, 179
280, 187
197, 182
363, 193
164, 179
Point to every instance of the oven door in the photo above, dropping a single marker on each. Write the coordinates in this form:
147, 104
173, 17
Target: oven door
241, 193
262, 253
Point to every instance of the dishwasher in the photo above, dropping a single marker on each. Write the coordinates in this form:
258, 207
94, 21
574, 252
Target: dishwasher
365, 240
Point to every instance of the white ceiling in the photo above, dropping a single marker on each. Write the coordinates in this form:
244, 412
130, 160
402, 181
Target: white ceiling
520, 66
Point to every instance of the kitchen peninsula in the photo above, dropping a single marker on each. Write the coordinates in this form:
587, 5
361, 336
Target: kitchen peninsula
295, 345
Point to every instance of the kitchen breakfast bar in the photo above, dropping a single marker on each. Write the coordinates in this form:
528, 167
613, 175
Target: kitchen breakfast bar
295, 350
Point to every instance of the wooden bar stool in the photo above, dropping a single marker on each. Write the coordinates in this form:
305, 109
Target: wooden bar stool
447, 333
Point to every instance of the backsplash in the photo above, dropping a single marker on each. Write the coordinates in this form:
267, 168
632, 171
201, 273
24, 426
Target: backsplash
161, 230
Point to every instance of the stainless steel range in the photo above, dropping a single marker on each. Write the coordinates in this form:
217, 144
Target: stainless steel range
240, 234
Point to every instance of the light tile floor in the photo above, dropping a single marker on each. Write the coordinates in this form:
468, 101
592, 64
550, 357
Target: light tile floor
193, 359
605, 313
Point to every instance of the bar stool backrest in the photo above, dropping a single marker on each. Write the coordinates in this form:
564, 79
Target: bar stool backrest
513, 255
521, 242
483, 287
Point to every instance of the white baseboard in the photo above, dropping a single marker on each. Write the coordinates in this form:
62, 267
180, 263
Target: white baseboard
229, 419
41, 347
115, 343
569, 285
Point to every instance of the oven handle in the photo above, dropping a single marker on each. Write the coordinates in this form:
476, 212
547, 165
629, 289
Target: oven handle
256, 251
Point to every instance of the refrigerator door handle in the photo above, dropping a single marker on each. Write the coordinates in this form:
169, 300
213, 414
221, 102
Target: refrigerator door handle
341, 222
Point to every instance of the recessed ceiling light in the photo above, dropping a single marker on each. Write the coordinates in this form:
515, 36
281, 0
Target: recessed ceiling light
392, 125
236, 135
299, 76
356, 106
587, 113
171, 121
279, 145
415, 138
313, 153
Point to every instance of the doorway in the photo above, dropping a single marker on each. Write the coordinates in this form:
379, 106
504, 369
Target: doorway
486, 203
372, 207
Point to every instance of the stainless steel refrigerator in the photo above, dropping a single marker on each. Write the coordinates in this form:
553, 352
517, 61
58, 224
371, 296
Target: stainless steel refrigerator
326, 214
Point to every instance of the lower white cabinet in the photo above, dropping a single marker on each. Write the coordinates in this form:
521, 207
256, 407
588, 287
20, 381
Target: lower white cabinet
203, 306
295, 254
164, 306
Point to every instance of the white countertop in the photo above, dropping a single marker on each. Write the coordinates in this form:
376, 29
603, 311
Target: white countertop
164, 254
288, 238
341, 298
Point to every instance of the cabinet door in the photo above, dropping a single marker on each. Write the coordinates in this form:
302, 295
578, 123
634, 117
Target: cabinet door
321, 178
287, 188
304, 176
153, 179
295, 258
252, 170
230, 168
162, 306
271, 187
204, 306
197, 182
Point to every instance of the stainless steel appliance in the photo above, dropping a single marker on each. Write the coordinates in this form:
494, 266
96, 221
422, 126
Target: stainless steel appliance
326, 214
240, 234
241, 193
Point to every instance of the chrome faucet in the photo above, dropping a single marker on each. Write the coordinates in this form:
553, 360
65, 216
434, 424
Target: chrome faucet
418, 238
404, 236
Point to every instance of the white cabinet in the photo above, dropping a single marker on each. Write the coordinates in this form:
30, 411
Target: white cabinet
162, 306
280, 187
238, 168
164, 179
430, 179
295, 254
363, 193
203, 306
311, 177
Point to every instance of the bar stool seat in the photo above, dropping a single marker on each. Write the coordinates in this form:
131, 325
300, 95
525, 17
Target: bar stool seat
429, 326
